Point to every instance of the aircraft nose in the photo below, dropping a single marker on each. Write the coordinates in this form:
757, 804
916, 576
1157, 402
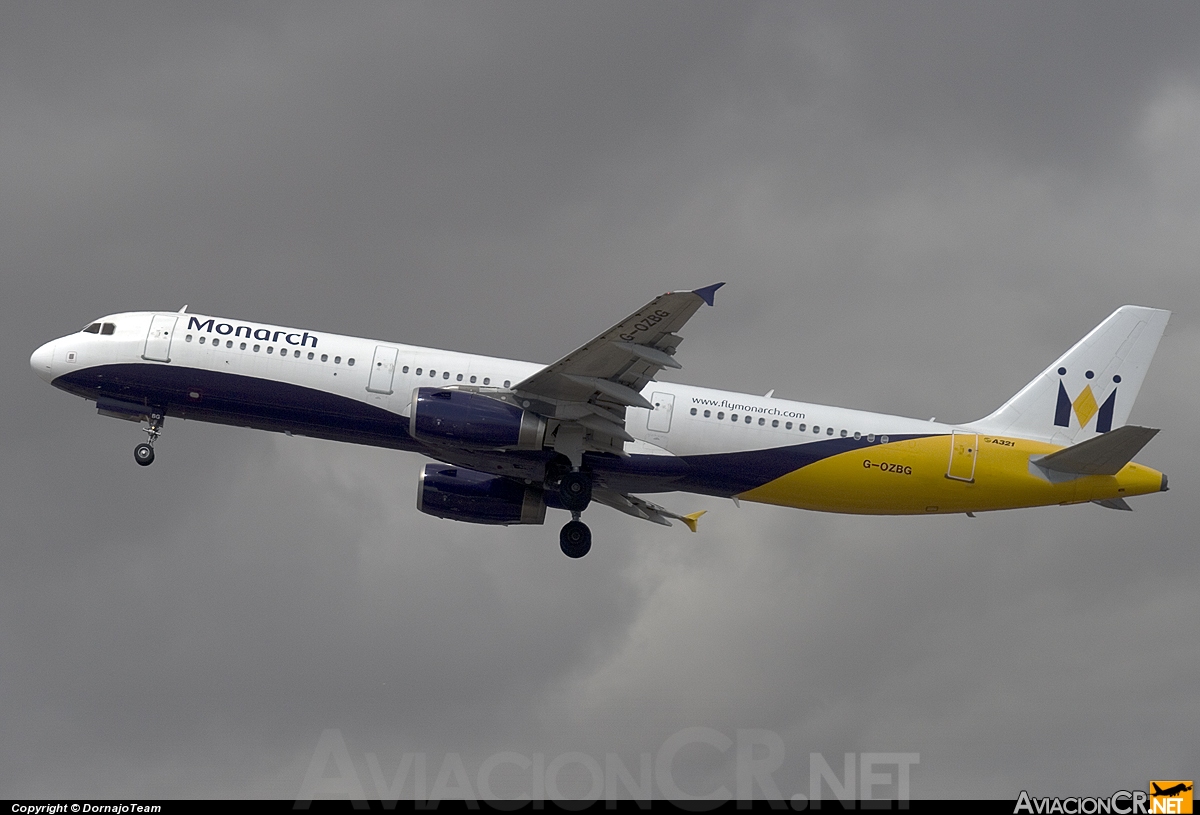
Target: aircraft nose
42, 361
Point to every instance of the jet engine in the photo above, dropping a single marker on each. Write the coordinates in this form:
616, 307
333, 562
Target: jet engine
474, 420
466, 495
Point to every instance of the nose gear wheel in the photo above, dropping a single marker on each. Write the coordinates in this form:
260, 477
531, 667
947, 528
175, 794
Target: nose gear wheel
143, 454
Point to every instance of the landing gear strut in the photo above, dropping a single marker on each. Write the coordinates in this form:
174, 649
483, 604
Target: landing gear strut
143, 454
575, 492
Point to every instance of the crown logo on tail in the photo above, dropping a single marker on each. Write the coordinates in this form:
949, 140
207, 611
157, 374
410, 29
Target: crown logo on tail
1085, 406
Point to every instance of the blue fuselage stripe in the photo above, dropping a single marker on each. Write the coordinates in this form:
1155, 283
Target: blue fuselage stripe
264, 404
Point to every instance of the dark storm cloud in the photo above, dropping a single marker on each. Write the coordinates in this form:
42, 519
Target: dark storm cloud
916, 206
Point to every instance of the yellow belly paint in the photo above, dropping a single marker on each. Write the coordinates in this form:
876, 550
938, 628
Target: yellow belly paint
935, 475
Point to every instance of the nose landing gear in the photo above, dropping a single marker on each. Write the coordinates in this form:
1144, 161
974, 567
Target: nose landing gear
575, 492
143, 454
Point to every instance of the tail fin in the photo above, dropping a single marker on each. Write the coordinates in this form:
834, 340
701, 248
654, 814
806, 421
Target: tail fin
1090, 389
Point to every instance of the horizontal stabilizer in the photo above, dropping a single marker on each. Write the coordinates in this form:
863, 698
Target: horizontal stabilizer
1105, 454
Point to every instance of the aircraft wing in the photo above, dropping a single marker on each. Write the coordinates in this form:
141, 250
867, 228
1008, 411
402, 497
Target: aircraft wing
590, 387
641, 508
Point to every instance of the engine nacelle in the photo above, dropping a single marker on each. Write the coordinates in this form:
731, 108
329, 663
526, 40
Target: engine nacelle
473, 420
478, 498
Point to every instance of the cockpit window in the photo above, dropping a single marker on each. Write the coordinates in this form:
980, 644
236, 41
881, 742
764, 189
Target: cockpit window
94, 328
108, 328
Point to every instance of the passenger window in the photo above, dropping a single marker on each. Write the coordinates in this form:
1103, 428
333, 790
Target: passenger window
829, 431
883, 440
843, 434
458, 378
107, 328
336, 360
325, 358
720, 414
296, 353
432, 373
472, 380
816, 428
693, 411
801, 427
310, 353
202, 340
871, 437
857, 435
733, 417
762, 422
350, 361
749, 420
256, 347
404, 370
94, 328
188, 338
418, 371
446, 375
707, 413
270, 348
487, 380
774, 423
242, 347
507, 383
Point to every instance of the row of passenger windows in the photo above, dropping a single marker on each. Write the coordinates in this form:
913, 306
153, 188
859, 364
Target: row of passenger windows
100, 328
801, 427
487, 380
283, 352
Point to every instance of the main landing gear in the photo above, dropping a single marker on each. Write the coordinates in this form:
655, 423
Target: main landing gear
143, 454
575, 493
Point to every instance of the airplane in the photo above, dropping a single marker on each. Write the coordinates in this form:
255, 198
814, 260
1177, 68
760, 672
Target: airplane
514, 438
1169, 792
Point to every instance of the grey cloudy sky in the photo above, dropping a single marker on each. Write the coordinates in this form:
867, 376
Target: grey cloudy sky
916, 207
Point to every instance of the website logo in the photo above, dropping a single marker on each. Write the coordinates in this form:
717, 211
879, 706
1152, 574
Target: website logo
1171, 797
1085, 406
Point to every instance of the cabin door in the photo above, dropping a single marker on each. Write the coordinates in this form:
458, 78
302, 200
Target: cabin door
383, 369
964, 447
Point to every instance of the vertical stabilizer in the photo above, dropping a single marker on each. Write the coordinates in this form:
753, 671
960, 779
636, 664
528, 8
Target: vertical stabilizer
1091, 388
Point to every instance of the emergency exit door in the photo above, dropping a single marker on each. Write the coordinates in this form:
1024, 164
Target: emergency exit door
659, 420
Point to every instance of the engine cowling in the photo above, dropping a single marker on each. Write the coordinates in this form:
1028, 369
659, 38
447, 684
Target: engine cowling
466, 495
472, 419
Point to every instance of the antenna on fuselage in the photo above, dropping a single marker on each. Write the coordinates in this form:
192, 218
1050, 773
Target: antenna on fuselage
183, 310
